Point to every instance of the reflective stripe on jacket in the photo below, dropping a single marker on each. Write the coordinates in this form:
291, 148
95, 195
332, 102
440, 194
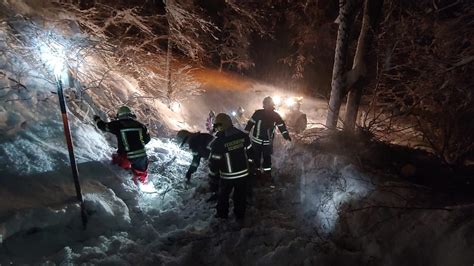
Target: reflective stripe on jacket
131, 136
230, 153
261, 126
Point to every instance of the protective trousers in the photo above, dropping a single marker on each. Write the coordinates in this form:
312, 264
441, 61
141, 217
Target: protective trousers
265, 152
139, 166
239, 185
214, 183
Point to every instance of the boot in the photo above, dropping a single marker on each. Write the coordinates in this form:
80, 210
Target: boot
212, 198
259, 179
250, 199
267, 178
140, 176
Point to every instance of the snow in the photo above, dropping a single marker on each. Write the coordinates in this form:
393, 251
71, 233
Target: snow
141, 223
313, 213
295, 222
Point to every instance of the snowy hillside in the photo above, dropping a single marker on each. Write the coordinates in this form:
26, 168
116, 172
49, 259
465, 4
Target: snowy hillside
321, 209
297, 215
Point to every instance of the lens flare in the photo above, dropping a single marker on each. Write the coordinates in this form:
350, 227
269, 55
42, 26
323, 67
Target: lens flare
290, 102
277, 100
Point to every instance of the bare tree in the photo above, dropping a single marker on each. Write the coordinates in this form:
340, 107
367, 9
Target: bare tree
356, 78
184, 27
347, 10
423, 95
309, 26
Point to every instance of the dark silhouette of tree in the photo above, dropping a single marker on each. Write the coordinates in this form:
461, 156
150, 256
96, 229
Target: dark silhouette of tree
339, 75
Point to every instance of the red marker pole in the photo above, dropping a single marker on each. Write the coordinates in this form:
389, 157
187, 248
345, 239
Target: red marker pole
70, 147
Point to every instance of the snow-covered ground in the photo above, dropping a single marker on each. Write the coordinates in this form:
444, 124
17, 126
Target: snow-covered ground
295, 221
321, 209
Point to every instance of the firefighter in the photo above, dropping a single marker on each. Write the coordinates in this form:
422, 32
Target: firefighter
261, 129
198, 143
239, 118
131, 139
229, 159
210, 122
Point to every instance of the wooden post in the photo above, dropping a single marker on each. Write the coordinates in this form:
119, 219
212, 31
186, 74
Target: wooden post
70, 147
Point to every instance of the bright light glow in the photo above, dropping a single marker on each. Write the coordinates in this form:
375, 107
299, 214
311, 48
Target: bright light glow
175, 107
276, 100
53, 55
147, 188
290, 102
182, 156
282, 113
234, 113
158, 144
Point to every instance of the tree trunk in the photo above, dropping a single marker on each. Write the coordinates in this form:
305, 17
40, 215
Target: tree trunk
346, 17
169, 55
357, 76
352, 106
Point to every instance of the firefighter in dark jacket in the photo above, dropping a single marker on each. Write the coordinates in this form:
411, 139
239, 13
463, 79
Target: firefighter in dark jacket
229, 159
261, 129
198, 143
131, 139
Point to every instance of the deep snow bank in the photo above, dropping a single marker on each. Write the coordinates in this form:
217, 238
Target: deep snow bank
312, 213
48, 199
323, 182
380, 220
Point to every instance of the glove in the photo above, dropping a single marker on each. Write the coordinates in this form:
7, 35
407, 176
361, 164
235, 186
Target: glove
96, 118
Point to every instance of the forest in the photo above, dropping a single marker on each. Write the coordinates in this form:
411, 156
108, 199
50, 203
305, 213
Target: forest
386, 151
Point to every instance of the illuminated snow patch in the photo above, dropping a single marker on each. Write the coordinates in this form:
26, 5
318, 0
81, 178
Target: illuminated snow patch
175, 107
41, 148
168, 163
324, 183
52, 54
147, 188
24, 156
324, 192
91, 145
166, 149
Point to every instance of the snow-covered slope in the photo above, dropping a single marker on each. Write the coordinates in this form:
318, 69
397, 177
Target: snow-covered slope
322, 208
295, 221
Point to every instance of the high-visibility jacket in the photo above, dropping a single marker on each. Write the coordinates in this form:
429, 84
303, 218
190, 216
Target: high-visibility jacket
199, 146
131, 136
261, 126
230, 154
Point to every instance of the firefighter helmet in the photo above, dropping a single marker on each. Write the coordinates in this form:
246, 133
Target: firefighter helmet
124, 111
268, 103
182, 137
223, 120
